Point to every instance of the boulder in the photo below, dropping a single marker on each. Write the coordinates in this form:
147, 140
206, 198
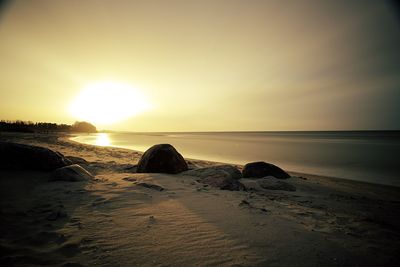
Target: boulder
261, 169
71, 173
250, 185
162, 158
207, 171
271, 183
20, 156
224, 177
222, 180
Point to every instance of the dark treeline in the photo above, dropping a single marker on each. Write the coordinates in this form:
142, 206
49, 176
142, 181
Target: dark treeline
45, 127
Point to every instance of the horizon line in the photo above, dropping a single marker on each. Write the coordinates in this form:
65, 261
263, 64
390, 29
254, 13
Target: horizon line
249, 131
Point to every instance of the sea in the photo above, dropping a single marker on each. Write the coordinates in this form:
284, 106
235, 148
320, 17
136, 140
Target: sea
369, 156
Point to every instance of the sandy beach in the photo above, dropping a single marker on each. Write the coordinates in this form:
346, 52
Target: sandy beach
117, 219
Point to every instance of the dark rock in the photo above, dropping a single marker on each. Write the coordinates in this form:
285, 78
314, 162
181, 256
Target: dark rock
151, 186
261, 169
72, 173
271, 183
162, 158
20, 156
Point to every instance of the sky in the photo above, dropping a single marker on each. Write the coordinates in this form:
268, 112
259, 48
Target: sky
220, 65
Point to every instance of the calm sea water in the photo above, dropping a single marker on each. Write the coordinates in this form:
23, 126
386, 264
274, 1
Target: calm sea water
366, 156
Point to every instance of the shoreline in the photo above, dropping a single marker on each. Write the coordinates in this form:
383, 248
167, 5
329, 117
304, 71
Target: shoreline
296, 173
114, 219
67, 137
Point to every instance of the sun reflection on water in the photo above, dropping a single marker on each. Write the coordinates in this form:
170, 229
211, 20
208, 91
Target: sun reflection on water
103, 139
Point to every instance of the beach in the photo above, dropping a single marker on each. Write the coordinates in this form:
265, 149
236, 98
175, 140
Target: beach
113, 220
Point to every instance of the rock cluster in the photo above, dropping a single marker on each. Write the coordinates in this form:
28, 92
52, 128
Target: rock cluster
161, 158
26, 157
164, 158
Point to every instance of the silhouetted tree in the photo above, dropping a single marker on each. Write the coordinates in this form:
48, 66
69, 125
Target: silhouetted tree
83, 126
31, 127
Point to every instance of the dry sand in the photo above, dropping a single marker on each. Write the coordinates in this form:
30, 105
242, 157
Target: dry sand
113, 221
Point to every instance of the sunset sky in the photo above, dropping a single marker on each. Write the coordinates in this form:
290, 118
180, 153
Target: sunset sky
202, 65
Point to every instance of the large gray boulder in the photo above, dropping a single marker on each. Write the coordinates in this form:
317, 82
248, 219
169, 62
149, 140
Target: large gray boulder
71, 173
261, 169
223, 180
207, 171
271, 183
162, 158
266, 183
19, 157
224, 177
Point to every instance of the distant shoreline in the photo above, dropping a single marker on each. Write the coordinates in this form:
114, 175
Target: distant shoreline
294, 173
323, 131
67, 137
364, 156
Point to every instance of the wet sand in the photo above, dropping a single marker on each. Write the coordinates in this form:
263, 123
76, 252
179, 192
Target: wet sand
114, 220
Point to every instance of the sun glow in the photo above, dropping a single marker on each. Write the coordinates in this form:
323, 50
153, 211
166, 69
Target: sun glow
108, 102
102, 139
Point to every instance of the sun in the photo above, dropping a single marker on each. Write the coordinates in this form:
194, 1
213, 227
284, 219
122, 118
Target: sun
108, 102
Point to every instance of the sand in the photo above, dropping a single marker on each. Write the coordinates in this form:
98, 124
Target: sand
114, 220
